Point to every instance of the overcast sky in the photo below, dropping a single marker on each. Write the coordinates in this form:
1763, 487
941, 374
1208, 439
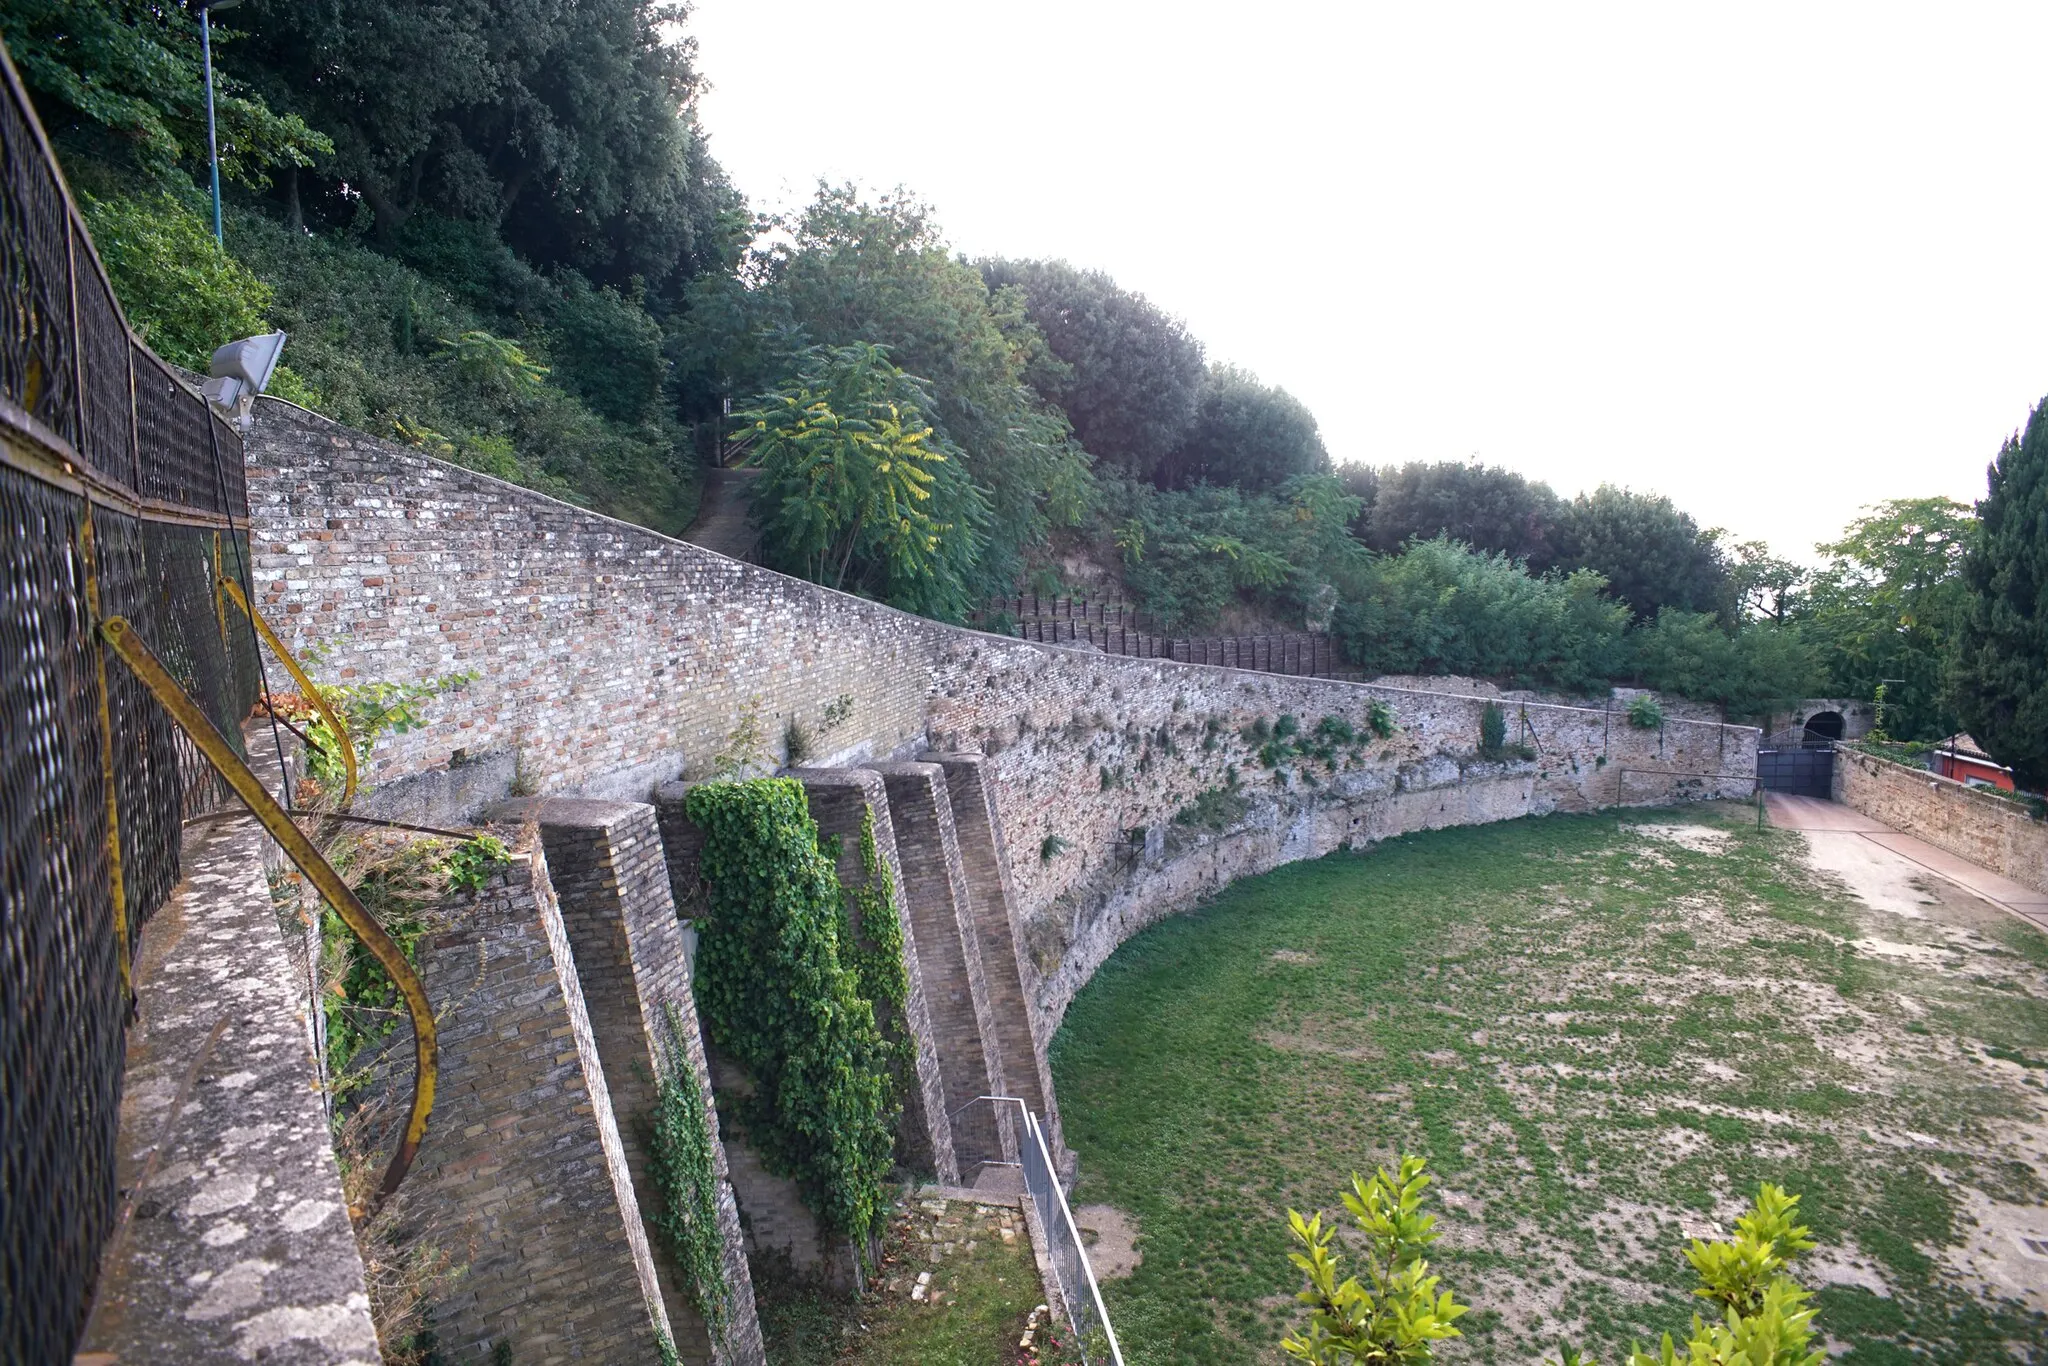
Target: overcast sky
1776, 261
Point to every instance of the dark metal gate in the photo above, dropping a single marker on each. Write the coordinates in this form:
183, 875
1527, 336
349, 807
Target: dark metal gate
1802, 769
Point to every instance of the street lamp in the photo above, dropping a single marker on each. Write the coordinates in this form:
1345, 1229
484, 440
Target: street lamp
206, 7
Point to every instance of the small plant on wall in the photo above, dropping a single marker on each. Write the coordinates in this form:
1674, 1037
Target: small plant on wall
1644, 713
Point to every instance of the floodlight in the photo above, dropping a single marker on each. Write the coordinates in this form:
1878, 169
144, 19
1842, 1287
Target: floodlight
241, 370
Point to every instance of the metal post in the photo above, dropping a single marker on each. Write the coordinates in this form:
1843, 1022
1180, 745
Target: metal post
212, 148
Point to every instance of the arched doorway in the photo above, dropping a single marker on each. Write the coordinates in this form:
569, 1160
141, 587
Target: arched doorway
1824, 725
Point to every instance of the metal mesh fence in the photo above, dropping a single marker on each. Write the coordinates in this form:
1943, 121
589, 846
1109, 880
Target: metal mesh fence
116, 479
1080, 1298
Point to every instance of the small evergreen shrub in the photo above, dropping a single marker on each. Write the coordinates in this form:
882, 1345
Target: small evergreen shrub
1644, 713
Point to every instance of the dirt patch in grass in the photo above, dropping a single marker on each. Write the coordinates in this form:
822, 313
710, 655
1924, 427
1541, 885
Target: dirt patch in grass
1111, 1237
1602, 1034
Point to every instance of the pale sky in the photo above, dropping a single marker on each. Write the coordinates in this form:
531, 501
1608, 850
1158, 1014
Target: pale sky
1776, 261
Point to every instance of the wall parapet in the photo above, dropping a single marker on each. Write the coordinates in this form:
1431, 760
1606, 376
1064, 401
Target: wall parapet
1991, 832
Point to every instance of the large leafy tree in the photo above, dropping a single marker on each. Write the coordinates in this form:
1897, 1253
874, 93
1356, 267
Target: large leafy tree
1129, 375
1652, 555
1753, 670
858, 491
1886, 607
851, 269
1486, 507
1248, 435
2000, 681
568, 125
124, 80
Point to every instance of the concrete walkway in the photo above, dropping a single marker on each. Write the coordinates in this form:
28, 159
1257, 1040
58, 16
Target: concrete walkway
1857, 843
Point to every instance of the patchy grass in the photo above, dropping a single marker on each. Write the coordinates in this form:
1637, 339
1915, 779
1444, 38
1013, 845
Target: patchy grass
1602, 1032
970, 1312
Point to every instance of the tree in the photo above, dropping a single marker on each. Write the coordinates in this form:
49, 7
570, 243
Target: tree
1887, 606
1486, 507
1752, 670
1129, 376
858, 490
569, 126
854, 270
1247, 435
127, 76
2000, 677
1652, 555
1762, 585
1442, 607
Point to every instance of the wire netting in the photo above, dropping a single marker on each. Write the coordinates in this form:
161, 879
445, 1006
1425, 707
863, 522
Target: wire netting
116, 478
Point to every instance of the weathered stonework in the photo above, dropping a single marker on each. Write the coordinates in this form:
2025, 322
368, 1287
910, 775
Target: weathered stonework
234, 1242
977, 826
938, 903
1991, 832
523, 1173
613, 658
611, 880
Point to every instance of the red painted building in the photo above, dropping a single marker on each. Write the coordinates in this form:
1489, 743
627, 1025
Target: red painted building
1958, 757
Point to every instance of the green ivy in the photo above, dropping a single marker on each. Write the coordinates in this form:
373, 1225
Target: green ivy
688, 1180
874, 952
776, 998
474, 862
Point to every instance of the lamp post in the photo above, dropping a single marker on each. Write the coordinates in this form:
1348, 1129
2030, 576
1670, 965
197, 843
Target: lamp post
206, 8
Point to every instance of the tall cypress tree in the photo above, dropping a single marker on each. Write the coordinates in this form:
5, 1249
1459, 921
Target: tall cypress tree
2001, 669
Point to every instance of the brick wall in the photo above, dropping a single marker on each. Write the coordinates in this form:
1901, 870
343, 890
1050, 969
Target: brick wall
605, 861
522, 1176
1989, 831
614, 658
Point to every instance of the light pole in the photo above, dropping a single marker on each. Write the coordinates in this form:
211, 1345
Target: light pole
206, 8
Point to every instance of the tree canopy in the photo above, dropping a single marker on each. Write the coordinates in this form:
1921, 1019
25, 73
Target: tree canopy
1652, 555
2000, 682
1246, 435
1484, 506
1129, 375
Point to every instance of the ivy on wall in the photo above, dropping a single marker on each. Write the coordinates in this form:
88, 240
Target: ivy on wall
871, 945
688, 1180
778, 999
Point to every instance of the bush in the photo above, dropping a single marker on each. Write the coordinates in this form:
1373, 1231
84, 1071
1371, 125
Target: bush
1644, 713
1397, 1314
180, 290
1441, 608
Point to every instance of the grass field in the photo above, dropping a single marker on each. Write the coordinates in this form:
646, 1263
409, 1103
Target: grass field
1602, 1032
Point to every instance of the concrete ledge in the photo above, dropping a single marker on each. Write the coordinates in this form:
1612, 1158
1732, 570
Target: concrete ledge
233, 1242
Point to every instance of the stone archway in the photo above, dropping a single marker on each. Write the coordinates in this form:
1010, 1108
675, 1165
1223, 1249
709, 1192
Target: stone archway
1824, 725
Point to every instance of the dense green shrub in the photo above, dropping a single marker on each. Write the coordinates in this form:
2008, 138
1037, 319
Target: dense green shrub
180, 291
1442, 608
1764, 666
777, 998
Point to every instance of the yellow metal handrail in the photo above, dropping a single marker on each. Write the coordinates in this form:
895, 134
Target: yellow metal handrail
121, 638
307, 689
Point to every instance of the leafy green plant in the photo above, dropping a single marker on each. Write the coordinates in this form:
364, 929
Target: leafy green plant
1644, 713
1051, 847
1379, 719
687, 1177
1396, 1313
181, 291
370, 711
837, 712
1765, 1317
474, 862
777, 998
495, 364
796, 742
745, 746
